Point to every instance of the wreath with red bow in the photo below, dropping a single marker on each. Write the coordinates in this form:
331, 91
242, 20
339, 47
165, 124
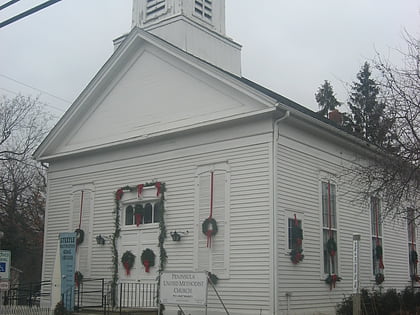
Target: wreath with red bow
332, 279
128, 259
379, 278
148, 259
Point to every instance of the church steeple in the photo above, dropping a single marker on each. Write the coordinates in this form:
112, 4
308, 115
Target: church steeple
195, 26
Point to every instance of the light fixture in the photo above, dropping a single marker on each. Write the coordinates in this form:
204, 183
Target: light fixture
100, 240
176, 236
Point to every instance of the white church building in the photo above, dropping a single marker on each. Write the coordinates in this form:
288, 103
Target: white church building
170, 151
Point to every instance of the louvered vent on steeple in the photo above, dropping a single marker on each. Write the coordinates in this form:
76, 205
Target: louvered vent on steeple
155, 7
203, 8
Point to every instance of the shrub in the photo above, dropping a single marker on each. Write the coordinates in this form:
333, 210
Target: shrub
390, 302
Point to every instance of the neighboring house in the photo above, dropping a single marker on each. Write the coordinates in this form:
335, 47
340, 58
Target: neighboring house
169, 115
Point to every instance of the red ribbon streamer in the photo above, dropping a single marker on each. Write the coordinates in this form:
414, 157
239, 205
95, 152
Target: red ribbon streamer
158, 186
146, 264
139, 190
209, 232
81, 209
138, 218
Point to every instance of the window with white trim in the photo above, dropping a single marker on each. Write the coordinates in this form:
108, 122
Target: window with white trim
329, 227
142, 212
376, 230
203, 9
412, 242
290, 223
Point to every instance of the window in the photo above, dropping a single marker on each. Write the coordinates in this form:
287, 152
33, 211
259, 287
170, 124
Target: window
203, 8
155, 7
290, 223
142, 213
412, 241
329, 228
376, 230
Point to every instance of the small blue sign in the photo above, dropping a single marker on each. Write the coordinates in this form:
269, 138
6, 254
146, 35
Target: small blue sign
2, 267
68, 260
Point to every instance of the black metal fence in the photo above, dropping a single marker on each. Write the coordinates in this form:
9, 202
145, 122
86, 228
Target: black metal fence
138, 295
29, 294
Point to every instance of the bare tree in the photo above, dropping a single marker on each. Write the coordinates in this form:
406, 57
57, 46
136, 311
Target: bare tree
394, 172
23, 124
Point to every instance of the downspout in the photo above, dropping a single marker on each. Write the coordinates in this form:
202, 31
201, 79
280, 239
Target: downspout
276, 135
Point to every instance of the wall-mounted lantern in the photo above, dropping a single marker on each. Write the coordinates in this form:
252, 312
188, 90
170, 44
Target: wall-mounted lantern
176, 236
100, 240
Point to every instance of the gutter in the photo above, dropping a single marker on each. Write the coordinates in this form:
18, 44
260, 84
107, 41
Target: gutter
275, 283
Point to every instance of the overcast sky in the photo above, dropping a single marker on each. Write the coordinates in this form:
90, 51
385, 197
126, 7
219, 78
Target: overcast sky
290, 46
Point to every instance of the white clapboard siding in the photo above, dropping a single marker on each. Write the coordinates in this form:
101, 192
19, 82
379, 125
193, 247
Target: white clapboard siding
301, 164
247, 287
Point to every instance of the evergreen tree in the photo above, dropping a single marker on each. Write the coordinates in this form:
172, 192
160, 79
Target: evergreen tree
326, 99
366, 108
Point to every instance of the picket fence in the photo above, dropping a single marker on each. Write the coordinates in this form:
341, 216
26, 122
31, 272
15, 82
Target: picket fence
24, 310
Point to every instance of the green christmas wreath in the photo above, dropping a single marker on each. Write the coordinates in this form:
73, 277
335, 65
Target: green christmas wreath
148, 259
205, 226
128, 259
80, 236
331, 247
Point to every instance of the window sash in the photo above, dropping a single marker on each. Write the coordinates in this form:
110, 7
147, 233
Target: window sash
375, 260
375, 217
151, 213
333, 205
290, 224
330, 264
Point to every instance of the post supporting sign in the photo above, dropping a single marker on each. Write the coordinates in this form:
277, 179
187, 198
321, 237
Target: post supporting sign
183, 288
356, 275
67, 266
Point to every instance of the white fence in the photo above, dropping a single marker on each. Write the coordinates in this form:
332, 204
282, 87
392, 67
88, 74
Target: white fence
24, 310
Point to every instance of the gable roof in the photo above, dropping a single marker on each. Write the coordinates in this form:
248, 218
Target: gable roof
118, 65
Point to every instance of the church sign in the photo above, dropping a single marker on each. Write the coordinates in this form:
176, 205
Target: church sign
183, 288
67, 264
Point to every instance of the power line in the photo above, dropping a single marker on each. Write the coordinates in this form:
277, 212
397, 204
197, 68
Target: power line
28, 12
8, 4
32, 87
42, 103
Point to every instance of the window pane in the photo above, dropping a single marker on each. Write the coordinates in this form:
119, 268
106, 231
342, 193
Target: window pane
376, 221
290, 224
329, 209
330, 262
129, 215
156, 212
148, 213
375, 259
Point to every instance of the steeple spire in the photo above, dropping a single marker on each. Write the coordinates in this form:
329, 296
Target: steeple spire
195, 26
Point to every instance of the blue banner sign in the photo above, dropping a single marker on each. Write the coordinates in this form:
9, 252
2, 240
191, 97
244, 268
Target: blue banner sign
67, 265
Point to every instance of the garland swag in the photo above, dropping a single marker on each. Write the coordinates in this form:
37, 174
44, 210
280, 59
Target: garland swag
331, 280
296, 255
117, 231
